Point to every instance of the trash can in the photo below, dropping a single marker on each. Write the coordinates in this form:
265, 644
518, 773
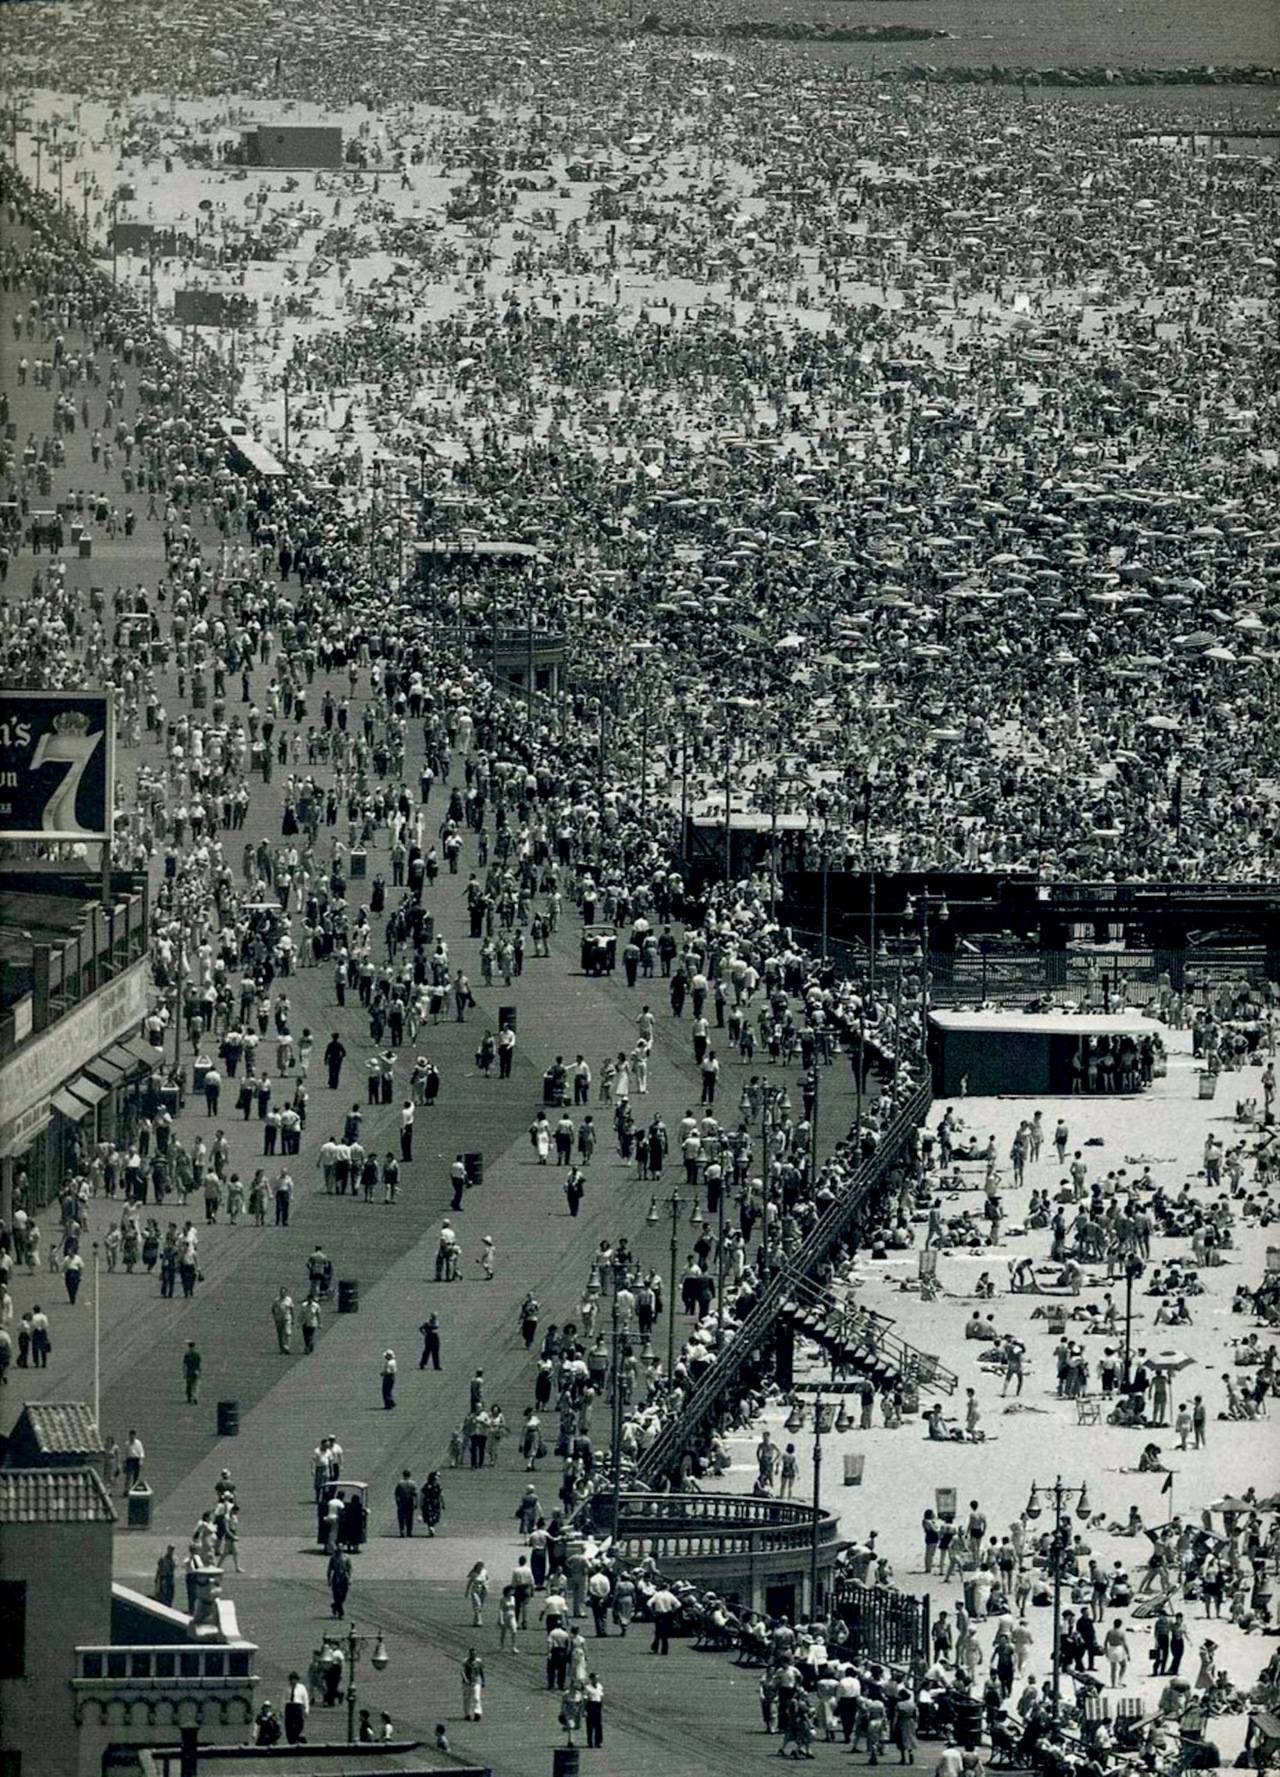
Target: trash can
1208, 1085
853, 1465
197, 1078
359, 865
228, 1419
139, 1507
348, 1296
565, 1762
86, 548
199, 694
507, 1018
549, 1094
474, 1164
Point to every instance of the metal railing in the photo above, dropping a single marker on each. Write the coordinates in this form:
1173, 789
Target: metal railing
709, 1526
862, 1340
1107, 978
664, 1454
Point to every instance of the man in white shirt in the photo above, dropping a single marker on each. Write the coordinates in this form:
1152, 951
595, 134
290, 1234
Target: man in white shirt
950, 1763
848, 1691
297, 1707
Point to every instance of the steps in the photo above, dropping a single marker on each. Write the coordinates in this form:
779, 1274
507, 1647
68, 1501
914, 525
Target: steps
687, 1430
859, 1340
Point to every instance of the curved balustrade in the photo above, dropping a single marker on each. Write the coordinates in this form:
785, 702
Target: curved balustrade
718, 1526
715, 1508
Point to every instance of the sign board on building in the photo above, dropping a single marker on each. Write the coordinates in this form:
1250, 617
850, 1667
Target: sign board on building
57, 764
31, 1073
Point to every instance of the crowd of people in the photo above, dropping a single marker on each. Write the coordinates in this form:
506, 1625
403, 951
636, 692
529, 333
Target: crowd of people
920, 499
1038, 638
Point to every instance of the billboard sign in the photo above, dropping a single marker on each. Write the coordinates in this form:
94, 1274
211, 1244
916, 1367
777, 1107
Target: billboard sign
57, 765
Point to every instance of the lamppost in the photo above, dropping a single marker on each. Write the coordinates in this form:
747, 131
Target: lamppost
1133, 1269
769, 1094
1058, 1493
640, 655
919, 907
820, 1425
675, 1203
721, 1192
782, 775
377, 1659
615, 1491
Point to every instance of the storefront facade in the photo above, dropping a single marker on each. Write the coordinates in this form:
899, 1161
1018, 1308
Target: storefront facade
76, 1069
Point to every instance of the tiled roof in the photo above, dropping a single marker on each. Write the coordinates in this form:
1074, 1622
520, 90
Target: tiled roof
54, 1496
58, 1428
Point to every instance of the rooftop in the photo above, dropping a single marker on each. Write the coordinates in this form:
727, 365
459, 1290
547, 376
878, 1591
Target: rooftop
1051, 1024
56, 1430
54, 1496
397, 1758
27, 920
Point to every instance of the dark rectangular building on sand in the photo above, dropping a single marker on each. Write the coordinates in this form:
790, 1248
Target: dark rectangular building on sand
989, 1053
292, 145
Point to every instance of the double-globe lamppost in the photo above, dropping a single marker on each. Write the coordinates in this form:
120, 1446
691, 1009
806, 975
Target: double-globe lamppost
378, 1659
675, 1203
1059, 1494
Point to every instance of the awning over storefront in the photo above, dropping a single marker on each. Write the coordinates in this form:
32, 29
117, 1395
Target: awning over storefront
78, 1097
107, 1071
71, 1107
135, 1053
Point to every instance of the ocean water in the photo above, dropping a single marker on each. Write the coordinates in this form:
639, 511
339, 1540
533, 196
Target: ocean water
1018, 33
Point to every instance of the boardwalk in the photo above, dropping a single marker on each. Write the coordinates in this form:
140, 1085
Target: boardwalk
286, 1403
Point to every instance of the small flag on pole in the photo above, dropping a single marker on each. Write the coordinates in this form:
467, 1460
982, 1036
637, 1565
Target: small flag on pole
1168, 1483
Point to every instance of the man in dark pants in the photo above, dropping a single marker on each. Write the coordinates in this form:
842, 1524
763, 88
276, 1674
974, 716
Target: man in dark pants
664, 1607
406, 1502
593, 1696
430, 1330
297, 1702
557, 1657
335, 1054
191, 1373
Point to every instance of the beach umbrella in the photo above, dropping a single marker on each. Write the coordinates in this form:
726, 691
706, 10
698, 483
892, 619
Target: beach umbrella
1229, 1503
1171, 1360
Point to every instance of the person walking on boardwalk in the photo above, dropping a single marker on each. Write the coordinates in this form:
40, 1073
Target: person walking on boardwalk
430, 1330
282, 1315
431, 1502
406, 1503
